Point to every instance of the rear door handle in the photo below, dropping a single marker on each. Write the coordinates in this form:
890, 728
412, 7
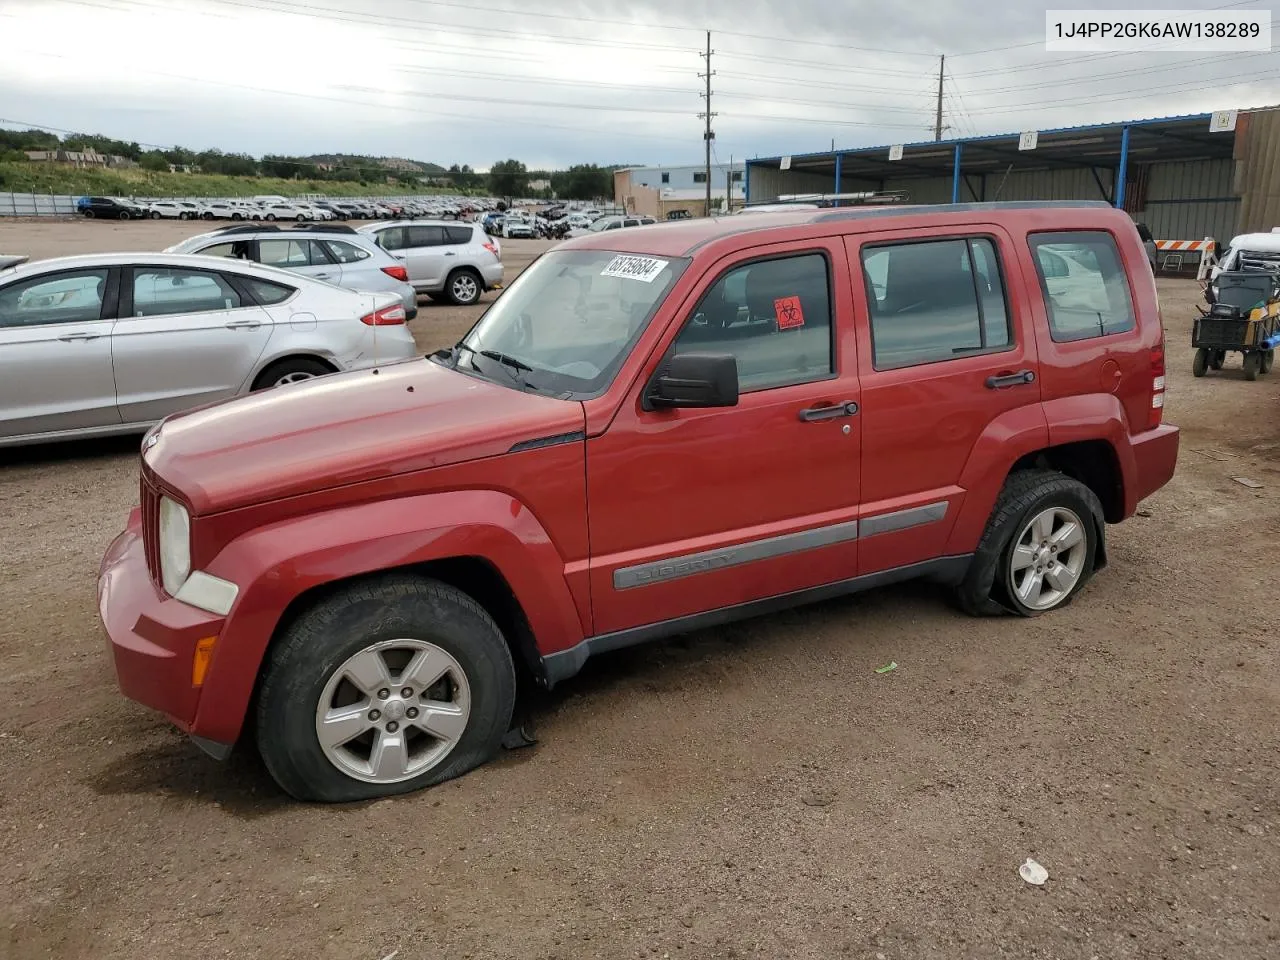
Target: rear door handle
323, 276
450, 254
1002, 380
76, 337
832, 412
244, 324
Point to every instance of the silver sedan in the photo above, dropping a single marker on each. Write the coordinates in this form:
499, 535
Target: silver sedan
109, 344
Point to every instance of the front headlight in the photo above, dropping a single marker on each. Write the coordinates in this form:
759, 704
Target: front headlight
175, 545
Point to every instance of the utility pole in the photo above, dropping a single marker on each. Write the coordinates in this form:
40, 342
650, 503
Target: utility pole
728, 187
708, 134
937, 122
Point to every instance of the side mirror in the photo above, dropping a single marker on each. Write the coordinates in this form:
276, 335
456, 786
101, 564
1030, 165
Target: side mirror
695, 380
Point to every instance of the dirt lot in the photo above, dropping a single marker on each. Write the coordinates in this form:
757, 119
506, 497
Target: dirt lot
752, 791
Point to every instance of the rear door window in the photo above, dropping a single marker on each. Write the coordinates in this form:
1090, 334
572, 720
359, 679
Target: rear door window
1085, 288
934, 301
291, 254
424, 237
163, 291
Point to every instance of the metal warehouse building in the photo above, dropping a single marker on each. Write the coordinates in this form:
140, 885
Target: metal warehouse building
1188, 177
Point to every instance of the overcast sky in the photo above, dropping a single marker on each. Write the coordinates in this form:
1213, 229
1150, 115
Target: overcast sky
607, 81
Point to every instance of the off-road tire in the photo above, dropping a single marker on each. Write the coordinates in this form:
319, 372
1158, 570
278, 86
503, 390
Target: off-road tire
987, 588
1252, 364
393, 606
1200, 364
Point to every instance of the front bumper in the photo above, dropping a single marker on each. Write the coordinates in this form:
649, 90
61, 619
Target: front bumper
152, 637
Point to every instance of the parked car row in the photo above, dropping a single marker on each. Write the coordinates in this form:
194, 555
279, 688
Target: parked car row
272, 208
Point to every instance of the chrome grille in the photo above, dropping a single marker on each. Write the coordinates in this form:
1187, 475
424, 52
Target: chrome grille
150, 501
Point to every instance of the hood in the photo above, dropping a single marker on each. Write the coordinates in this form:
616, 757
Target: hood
344, 429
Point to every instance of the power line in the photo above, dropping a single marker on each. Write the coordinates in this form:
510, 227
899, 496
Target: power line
818, 103
1098, 77
1131, 95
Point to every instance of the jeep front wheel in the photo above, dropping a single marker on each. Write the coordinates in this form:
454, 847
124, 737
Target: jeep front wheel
384, 687
1039, 547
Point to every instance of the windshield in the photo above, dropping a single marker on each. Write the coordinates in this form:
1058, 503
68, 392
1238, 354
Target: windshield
567, 322
602, 224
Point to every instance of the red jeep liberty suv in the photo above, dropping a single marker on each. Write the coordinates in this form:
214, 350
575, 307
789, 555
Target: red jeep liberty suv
651, 431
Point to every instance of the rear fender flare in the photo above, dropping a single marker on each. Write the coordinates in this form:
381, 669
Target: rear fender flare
1097, 416
1006, 439
276, 564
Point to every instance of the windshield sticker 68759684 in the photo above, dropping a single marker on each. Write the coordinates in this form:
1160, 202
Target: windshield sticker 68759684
644, 269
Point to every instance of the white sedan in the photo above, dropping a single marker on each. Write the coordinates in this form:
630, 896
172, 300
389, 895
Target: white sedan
108, 344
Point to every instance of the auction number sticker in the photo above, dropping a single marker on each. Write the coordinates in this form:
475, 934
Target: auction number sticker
644, 269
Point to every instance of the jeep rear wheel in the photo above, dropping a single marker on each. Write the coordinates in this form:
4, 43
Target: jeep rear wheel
1039, 548
384, 687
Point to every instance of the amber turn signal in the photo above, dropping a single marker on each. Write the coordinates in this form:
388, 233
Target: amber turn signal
200, 661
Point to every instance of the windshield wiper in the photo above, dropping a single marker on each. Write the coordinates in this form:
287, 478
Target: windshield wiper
505, 359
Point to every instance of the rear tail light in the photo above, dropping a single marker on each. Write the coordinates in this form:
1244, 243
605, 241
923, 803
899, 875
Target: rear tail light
386, 317
1157, 385
491, 247
398, 272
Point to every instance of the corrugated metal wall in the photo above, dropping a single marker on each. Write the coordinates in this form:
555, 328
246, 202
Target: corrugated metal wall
770, 183
36, 205
1257, 180
1203, 201
1204, 207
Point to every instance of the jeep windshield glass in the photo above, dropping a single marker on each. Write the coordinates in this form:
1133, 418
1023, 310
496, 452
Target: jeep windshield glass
569, 320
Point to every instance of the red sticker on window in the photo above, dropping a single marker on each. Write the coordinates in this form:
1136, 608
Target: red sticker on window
789, 313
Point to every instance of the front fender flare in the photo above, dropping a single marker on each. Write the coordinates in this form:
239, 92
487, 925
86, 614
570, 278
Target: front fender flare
275, 564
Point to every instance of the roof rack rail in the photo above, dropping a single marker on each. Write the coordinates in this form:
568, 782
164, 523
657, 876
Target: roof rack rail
326, 227
862, 198
247, 228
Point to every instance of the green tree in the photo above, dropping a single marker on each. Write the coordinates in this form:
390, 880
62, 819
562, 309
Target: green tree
509, 178
585, 181
154, 160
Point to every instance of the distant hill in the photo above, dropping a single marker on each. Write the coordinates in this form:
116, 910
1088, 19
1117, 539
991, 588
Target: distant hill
391, 163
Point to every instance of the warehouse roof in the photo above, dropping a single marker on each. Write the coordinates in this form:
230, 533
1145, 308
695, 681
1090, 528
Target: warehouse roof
1161, 138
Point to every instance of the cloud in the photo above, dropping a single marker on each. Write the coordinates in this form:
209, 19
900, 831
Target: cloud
607, 82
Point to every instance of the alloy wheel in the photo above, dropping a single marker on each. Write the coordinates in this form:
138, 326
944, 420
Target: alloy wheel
1048, 558
393, 711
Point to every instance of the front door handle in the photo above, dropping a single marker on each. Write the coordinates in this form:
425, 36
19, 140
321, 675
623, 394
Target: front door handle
1002, 380
832, 412
244, 324
75, 337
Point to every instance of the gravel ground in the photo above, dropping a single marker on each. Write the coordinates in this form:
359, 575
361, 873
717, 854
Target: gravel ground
755, 790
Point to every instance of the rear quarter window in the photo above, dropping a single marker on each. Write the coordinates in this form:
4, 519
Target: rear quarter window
267, 293
457, 235
1083, 281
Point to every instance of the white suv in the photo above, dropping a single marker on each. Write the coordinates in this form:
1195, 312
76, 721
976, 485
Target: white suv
446, 260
